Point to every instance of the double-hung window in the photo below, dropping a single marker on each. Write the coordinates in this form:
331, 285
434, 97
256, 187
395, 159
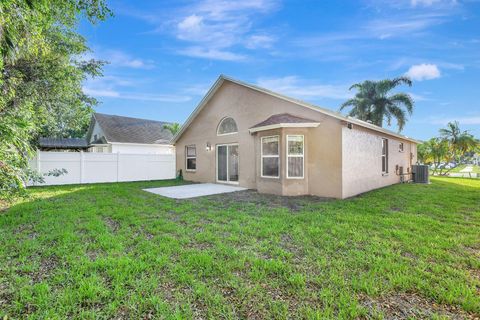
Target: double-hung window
384, 156
295, 156
270, 156
191, 158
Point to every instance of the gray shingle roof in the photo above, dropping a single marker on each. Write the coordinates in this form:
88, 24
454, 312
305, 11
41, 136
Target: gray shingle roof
282, 118
133, 130
63, 143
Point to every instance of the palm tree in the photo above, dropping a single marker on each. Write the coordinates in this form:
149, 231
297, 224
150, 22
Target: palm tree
434, 151
172, 127
461, 142
374, 104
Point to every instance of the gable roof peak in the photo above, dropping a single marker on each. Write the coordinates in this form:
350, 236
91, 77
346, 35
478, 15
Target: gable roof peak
222, 78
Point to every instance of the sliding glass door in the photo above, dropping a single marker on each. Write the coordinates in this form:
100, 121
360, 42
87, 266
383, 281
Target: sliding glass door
227, 163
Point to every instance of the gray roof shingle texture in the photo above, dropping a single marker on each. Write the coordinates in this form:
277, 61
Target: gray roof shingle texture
133, 130
283, 118
63, 143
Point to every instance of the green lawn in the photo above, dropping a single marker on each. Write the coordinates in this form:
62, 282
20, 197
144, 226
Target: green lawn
115, 251
476, 169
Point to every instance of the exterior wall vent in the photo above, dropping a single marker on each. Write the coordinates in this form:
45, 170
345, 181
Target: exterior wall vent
420, 173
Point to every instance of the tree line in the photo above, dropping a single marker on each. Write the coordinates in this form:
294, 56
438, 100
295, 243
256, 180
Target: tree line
42, 70
453, 147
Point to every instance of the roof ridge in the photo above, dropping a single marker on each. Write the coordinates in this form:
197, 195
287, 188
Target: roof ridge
116, 115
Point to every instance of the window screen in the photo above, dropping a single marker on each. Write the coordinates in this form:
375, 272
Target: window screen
191, 158
295, 156
270, 156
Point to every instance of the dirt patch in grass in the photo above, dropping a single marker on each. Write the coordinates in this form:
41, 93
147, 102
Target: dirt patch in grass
252, 197
410, 306
93, 254
46, 268
5, 295
113, 225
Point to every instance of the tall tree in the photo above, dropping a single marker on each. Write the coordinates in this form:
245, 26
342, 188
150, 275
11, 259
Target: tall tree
375, 103
41, 76
453, 145
460, 141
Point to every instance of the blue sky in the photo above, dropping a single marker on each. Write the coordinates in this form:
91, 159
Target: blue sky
164, 55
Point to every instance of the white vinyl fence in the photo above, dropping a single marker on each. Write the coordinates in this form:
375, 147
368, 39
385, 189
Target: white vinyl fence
91, 167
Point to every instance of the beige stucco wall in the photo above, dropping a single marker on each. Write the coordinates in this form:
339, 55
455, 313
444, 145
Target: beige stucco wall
339, 162
249, 107
362, 160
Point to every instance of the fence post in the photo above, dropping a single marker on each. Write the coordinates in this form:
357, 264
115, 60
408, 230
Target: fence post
39, 164
118, 165
82, 167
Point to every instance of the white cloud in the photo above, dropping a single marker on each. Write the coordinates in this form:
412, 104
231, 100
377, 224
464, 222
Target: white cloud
213, 27
111, 93
119, 88
296, 87
215, 54
259, 41
423, 71
119, 58
428, 3
402, 25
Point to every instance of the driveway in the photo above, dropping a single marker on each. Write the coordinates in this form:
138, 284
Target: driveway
194, 190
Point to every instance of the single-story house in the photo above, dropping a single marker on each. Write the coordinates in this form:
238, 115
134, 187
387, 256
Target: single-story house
116, 134
255, 138
111, 133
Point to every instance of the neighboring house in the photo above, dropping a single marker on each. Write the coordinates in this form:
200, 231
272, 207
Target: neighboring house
63, 144
110, 133
116, 134
242, 134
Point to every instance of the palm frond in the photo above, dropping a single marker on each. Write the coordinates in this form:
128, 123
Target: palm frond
399, 115
403, 99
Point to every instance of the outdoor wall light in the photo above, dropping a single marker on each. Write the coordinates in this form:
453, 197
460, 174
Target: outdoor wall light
208, 147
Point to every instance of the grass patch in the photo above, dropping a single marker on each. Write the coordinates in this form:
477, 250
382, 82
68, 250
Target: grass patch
115, 251
475, 168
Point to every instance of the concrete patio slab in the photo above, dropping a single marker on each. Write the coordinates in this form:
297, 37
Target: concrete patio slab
193, 190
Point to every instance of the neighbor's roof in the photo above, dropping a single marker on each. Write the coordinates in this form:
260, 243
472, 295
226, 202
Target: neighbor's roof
328, 112
133, 130
63, 143
283, 120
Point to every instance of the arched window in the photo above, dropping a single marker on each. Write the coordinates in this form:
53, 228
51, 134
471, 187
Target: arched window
227, 126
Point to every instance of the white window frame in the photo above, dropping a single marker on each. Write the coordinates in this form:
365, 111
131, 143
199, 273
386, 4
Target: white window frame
385, 172
295, 155
228, 145
401, 147
229, 133
190, 157
269, 156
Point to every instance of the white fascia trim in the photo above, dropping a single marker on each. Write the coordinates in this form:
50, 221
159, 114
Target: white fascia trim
285, 125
